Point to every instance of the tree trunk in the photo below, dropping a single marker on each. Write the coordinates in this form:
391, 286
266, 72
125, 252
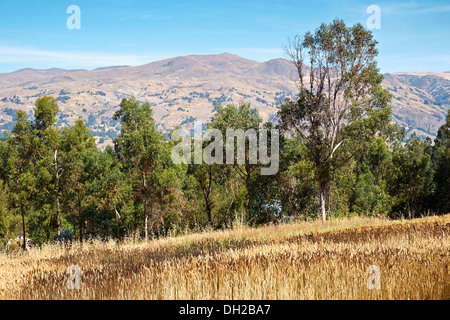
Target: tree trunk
74, 223
80, 223
247, 185
146, 220
118, 223
208, 197
206, 190
22, 212
208, 213
58, 217
323, 197
144, 182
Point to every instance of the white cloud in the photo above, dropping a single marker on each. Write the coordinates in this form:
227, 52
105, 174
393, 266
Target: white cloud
70, 59
412, 8
402, 63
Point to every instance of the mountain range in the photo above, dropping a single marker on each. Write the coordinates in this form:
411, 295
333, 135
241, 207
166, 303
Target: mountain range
184, 89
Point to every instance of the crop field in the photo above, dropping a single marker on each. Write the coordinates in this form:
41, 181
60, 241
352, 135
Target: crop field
307, 260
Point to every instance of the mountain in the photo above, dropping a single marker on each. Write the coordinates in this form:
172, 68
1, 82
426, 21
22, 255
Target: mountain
184, 89
420, 100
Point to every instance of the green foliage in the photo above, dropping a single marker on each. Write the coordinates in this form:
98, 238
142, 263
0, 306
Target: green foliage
442, 181
338, 153
242, 117
45, 112
146, 157
369, 199
300, 190
8, 222
441, 157
369, 194
411, 181
341, 106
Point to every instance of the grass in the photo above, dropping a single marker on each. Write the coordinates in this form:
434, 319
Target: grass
310, 260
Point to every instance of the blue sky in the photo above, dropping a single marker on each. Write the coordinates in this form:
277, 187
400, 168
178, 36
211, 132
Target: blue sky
414, 35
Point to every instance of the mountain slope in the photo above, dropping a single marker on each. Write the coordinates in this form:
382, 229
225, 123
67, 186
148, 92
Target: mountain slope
182, 89
420, 100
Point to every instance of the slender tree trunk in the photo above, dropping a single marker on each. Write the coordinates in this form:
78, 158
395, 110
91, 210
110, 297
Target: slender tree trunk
74, 224
58, 216
144, 182
58, 211
206, 195
208, 213
249, 193
207, 189
80, 223
146, 220
22, 212
247, 185
323, 197
118, 223
208, 203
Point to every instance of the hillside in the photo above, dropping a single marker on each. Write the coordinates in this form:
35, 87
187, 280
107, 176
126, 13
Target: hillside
420, 100
186, 88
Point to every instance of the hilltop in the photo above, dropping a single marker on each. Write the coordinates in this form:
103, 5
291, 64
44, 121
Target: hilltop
184, 89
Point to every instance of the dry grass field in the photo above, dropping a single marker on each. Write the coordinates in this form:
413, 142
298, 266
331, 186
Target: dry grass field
309, 260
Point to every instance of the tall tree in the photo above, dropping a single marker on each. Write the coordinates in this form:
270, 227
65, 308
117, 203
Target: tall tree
204, 175
247, 119
45, 112
443, 135
21, 167
341, 105
141, 149
411, 182
77, 143
107, 184
441, 156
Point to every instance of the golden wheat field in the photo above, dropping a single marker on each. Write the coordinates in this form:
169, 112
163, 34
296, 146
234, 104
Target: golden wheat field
308, 260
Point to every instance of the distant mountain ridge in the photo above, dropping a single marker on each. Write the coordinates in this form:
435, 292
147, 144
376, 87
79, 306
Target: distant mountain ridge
420, 100
184, 89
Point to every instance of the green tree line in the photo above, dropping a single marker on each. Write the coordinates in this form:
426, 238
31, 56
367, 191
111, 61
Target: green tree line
340, 155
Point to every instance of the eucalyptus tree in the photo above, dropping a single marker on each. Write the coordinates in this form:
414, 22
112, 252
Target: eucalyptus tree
20, 167
107, 185
411, 181
204, 175
145, 156
245, 119
341, 105
49, 153
77, 143
441, 155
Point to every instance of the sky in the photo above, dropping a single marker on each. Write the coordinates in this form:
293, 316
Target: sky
413, 35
